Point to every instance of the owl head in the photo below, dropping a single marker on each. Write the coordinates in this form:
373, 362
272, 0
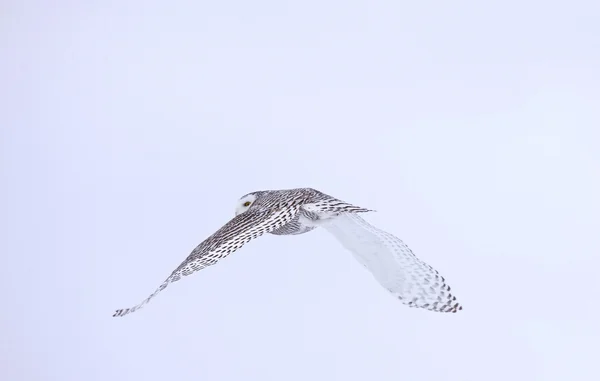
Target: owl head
245, 203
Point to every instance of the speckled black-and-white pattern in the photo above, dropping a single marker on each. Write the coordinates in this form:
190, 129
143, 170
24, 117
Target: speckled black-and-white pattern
274, 212
298, 211
309, 198
237, 232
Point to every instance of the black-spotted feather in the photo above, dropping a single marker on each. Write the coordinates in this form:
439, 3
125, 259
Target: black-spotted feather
231, 237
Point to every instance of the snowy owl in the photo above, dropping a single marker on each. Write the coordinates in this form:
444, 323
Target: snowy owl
298, 211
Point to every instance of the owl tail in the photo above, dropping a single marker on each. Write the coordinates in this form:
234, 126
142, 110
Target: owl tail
334, 207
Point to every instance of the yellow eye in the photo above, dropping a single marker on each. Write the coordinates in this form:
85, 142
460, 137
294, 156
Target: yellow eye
247, 203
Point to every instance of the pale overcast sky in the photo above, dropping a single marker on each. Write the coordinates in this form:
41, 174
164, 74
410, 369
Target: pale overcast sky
130, 128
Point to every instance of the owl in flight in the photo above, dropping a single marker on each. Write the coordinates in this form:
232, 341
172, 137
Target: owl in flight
298, 211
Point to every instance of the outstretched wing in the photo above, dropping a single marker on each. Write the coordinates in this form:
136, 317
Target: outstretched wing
393, 264
232, 236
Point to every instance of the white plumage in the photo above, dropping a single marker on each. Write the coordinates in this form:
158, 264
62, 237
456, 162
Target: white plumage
393, 264
298, 211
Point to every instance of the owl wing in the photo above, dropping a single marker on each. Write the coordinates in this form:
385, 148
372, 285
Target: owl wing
232, 236
393, 264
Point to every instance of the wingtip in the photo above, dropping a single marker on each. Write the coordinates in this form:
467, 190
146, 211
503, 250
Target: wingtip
121, 312
453, 309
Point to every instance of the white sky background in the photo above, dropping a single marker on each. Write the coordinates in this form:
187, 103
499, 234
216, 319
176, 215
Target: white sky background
129, 130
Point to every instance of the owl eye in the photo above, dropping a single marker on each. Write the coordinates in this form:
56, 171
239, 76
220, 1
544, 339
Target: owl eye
247, 203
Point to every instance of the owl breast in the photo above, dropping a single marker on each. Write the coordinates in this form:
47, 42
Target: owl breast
297, 226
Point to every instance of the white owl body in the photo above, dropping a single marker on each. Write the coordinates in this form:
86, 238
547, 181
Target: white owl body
299, 225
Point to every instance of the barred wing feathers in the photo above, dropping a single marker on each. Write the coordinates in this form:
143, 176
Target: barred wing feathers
232, 236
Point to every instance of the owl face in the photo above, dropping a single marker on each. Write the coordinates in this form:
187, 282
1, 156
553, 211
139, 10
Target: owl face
245, 203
